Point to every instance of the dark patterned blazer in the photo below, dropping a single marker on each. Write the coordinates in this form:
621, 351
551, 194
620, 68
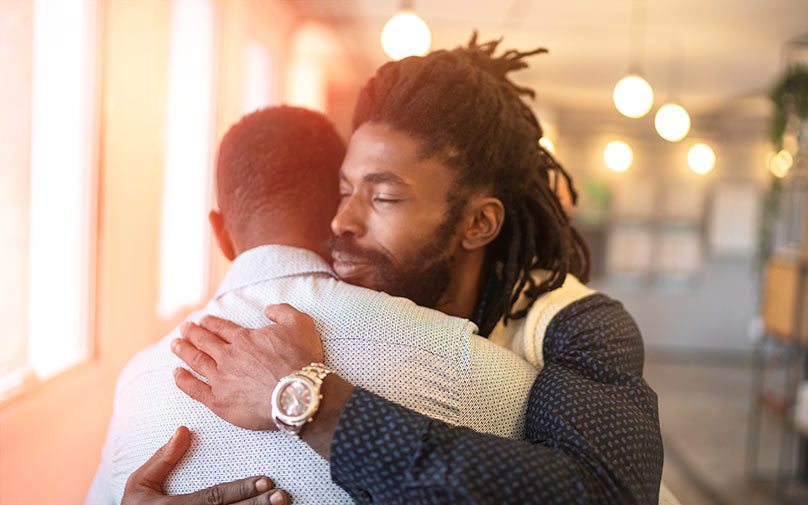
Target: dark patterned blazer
592, 430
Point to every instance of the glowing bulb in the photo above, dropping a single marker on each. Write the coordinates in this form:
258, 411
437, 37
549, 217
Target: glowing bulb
617, 156
547, 144
633, 96
780, 163
405, 35
701, 158
672, 122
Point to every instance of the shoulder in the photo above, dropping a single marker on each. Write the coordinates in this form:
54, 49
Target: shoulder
525, 336
595, 312
548, 306
596, 328
151, 360
347, 312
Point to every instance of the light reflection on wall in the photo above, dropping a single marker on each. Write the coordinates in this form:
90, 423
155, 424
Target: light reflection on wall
313, 49
61, 184
184, 234
258, 79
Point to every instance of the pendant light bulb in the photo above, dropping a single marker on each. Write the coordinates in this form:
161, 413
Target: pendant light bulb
633, 96
618, 156
672, 122
701, 158
780, 163
405, 34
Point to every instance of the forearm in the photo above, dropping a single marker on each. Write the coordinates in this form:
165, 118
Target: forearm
320, 431
592, 431
394, 455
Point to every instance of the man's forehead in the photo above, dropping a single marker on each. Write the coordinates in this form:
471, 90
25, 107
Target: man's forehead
379, 140
385, 177
379, 154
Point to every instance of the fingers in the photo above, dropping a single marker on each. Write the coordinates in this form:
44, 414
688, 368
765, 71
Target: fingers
193, 387
150, 477
206, 340
222, 328
200, 362
274, 497
154, 471
284, 313
249, 491
279, 497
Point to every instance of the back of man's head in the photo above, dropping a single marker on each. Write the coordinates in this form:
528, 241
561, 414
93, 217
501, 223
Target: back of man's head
277, 177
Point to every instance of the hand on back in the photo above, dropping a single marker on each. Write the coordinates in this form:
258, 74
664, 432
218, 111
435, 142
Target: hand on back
145, 485
242, 365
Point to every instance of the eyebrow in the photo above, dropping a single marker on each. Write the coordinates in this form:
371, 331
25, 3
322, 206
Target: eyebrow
380, 178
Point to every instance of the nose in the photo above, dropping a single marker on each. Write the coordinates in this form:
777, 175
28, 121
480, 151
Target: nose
350, 218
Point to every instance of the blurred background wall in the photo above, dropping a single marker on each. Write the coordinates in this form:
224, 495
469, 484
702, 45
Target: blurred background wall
153, 85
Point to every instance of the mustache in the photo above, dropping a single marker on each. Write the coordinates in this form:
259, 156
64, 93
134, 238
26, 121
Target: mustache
347, 246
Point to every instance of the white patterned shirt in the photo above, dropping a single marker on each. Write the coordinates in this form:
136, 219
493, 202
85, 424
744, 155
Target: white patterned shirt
414, 356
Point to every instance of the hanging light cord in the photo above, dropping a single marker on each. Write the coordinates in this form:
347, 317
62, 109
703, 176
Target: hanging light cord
639, 15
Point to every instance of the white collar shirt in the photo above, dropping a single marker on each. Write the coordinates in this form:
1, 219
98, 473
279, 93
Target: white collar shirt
418, 357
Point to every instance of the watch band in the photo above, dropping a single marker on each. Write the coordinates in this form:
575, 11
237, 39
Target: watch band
314, 374
315, 371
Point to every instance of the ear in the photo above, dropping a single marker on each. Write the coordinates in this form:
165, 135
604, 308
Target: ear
485, 216
222, 235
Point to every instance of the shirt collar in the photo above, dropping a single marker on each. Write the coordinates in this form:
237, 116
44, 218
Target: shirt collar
272, 262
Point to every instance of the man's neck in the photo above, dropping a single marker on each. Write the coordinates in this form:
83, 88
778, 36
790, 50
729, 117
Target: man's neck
463, 292
289, 239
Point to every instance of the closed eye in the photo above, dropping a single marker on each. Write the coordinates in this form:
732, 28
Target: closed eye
382, 199
345, 192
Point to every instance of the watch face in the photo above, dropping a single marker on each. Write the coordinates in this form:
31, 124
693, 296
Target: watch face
295, 398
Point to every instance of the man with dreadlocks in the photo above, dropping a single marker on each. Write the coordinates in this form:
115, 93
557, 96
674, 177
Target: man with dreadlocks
445, 199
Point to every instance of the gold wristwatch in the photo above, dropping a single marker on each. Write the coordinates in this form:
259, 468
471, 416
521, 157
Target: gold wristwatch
296, 398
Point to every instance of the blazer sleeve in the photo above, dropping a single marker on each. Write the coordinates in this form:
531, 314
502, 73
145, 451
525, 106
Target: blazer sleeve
592, 431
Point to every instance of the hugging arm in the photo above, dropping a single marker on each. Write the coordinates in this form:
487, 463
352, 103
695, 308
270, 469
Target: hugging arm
592, 421
592, 428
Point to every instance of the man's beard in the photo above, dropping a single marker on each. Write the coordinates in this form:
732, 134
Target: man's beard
423, 279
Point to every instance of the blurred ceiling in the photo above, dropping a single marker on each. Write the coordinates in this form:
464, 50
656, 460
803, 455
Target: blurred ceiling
707, 54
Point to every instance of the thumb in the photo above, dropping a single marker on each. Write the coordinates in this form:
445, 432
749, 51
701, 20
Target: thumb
154, 471
282, 313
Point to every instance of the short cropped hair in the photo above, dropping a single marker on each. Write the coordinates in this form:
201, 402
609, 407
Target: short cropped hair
279, 161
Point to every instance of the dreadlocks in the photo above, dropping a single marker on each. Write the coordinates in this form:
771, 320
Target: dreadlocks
466, 112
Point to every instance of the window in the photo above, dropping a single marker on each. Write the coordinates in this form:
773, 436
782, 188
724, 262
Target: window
189, 132
51, 186
258, 91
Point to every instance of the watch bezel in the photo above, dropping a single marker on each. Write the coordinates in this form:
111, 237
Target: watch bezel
312, 407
